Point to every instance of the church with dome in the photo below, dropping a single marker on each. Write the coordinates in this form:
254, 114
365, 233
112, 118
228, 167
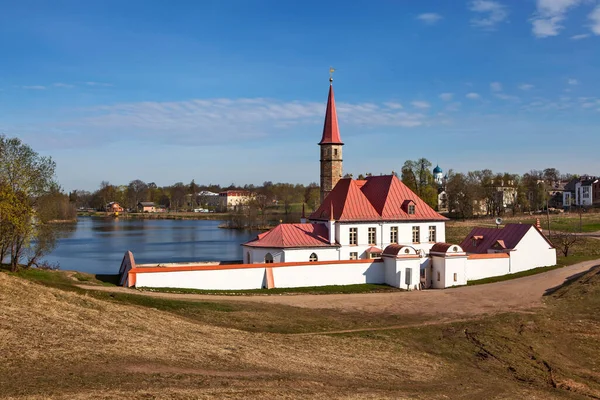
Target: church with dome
372, 230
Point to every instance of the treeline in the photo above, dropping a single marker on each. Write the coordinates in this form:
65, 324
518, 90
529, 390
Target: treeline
484, 192
185, 197
31, 201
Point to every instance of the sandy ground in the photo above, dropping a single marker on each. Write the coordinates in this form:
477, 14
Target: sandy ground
462, 302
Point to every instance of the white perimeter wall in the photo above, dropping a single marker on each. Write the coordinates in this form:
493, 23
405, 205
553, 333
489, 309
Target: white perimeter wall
303, 255
531, 252
225, 279
480, 268
323, 275
396, 270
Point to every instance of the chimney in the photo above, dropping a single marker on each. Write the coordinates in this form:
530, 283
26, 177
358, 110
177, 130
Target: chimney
331, 226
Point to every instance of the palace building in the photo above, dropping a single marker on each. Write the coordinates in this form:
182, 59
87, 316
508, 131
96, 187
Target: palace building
373, 230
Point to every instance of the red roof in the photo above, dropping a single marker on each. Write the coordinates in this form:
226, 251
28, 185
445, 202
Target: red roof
293, 235
378, 198
486, 238
331, 130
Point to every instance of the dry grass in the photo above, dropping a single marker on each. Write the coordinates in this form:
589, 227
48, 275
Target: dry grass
67, 344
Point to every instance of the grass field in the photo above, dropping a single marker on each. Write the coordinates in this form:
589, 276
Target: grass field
58, 341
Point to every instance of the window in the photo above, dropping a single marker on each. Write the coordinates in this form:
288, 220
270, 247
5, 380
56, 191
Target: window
411, 209
432, 235
375, 255
406, 251
353, 236
313, 257
372, 236
586, 192
335, 152
438, 276
353, 255
248, 258
268, 258
416, 234
394, 234
455, 277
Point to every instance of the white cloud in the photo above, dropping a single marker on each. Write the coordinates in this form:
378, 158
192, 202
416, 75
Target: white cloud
490, 14
97, 84
579, 37
496, 87
429, 18
63, 85
35, 87
215, 121
393, 105
453, 107
526, 86
572, 82
473, 96
595, 18
549, 15
420, 104
446, 96
504, 96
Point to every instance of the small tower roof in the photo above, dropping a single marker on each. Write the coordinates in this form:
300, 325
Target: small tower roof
331, 131
437, 170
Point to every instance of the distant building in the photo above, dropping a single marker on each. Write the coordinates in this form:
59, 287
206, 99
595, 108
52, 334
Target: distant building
232, 199
113, 206
146, 206
208, 199
587, 191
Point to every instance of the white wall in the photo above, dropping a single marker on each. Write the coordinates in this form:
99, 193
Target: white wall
257, 255
531, 252
225, 279
396, 270
383, 235
303, 255
334, 274
479, 268
455, 265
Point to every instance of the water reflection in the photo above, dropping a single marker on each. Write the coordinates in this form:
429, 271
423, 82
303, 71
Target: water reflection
97, 245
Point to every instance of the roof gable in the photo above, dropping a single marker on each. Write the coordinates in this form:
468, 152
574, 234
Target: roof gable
292, 235
480, 240
348, 203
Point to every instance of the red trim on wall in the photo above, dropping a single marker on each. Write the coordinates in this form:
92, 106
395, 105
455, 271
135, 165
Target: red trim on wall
245, 266
487, 255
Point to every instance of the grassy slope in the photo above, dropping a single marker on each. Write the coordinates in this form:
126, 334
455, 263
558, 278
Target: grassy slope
66, 342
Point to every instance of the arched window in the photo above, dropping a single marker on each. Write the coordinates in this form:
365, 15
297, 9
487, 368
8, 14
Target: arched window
248, 258
406, 251
268, 258
313, 257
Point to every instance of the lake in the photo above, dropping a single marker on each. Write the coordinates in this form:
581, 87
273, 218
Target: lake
97, 245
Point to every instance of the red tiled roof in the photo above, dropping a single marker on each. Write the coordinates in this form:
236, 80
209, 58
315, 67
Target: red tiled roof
441, 247
394, 249
293, 235
509, 236
373, 249
331, 131
378, 198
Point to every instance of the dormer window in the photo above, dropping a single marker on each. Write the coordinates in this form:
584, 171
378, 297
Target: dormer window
411, 209
475, 240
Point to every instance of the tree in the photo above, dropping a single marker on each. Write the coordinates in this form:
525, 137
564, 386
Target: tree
25, 177
418, 177
193, 191
177, 194
137, 190
564, 241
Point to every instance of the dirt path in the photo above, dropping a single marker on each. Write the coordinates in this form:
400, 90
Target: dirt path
512, 295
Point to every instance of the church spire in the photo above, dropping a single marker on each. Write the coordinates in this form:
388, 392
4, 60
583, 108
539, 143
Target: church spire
331, 131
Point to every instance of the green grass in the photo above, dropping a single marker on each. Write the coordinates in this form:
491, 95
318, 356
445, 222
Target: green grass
332, 289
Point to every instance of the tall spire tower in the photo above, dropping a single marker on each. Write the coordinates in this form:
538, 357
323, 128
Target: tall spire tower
331, 146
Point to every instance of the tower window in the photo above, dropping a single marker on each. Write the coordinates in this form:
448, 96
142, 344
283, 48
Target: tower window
372, 236
313, 257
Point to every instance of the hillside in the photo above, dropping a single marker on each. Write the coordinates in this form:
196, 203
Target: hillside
75, 344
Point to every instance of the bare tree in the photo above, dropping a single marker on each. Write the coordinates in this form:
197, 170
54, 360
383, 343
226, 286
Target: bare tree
564, 241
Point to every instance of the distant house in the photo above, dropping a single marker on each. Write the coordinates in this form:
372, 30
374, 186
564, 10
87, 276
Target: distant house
232, 199
146, 206
113, 206
587, 191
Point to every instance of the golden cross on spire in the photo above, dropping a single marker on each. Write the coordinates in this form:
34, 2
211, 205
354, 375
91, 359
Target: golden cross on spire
331, 70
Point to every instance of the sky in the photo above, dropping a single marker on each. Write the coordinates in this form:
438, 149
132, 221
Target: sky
234, 91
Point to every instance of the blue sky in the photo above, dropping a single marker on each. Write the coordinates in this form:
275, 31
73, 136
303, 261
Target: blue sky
235, 91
